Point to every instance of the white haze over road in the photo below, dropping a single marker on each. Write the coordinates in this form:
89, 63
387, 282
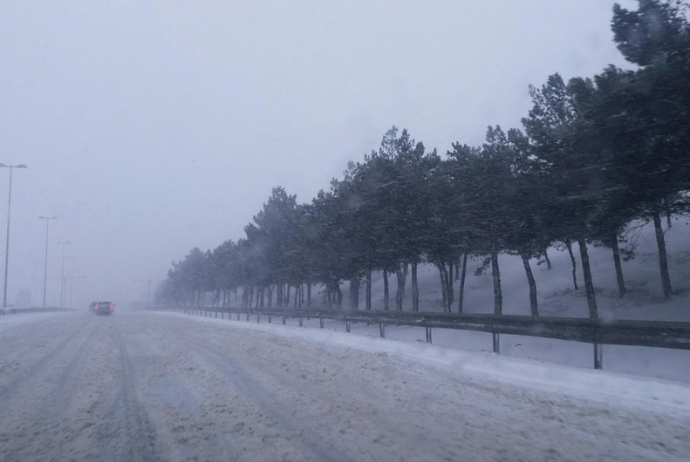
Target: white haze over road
153, 127
156, 386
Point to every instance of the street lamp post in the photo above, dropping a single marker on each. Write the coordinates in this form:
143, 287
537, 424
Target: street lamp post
7, 243
148, 302
62, 274
45, 270
71, 280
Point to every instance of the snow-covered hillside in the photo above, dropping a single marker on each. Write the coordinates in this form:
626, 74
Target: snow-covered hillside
557, 296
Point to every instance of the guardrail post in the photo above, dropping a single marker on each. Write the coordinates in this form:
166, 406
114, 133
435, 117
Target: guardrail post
497, 343
598, 355
348, 326
428, 335
238, 316
382, 330
300, 321
283, 320
216, 315
321, 322
269, 318
247, 317
258, 319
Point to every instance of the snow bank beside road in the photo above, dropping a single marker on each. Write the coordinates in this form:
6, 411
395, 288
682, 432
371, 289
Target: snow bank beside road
597, 385
13, 320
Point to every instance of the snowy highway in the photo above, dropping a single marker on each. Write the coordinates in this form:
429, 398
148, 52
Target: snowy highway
152, 386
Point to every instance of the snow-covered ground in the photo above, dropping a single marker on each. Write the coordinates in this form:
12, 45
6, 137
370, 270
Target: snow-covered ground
161, 386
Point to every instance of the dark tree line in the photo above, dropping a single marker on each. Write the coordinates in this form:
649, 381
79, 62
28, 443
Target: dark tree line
593, 155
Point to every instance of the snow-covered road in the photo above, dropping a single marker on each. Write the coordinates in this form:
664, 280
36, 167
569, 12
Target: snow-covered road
152, 386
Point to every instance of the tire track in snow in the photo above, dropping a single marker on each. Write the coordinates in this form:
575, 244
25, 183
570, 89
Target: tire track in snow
39, 398
48, 360
126, 432
242, 379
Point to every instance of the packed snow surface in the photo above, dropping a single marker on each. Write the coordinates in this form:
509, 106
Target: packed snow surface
161, 386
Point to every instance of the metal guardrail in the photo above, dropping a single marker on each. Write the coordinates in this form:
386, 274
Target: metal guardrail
12, 311
659, 334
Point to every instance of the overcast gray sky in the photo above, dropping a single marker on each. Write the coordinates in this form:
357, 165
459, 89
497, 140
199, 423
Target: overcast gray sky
151, 127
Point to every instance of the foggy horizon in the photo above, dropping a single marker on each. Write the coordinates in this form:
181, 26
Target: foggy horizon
150, 129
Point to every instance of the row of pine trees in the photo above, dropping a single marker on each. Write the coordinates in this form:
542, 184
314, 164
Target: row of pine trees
592, 156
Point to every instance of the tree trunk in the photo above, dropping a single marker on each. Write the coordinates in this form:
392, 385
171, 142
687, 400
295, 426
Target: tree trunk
339, 295
589, 285
461, 293
354, 293
406, 269
386, 293
309, 294
400, 289
667, 207
569, 246
617, 263
368, 291
451, 297
547, 259
415, 288
444, 290
533, 304
287, 296
496, 276
663, 260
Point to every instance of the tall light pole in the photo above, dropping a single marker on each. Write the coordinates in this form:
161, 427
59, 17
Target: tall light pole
62, 274
7, 244
148, 303
45, 270
71, 280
